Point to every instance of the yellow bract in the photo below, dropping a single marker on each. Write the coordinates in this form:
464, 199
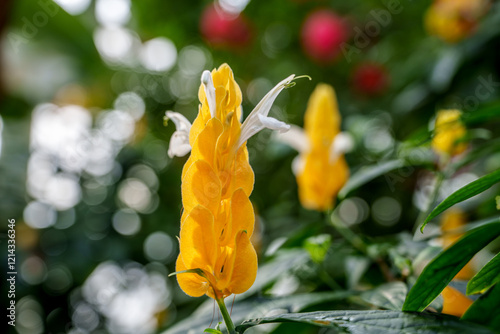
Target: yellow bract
451, 223
448, 133
218, 218
453, 20
323, 172
454, 302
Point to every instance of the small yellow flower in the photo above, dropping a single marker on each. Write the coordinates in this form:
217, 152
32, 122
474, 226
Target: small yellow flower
454, 302
216, 256
451, 223
449, 133
320, 168
453, 20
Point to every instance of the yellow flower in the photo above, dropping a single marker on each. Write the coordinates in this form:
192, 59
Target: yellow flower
454, 302
320, 168
448, 133
453, 20
451, 223
216, 256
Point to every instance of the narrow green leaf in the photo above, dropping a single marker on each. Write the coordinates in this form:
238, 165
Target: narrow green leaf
389, 296
441, 270
368, 173
211, 330
197, 271
488, 148
485, 114
484, 311
374, 322
472, 189
489, 275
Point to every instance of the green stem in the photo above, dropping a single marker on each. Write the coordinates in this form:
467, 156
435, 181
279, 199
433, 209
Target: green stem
325, 277
226, 316
348, 235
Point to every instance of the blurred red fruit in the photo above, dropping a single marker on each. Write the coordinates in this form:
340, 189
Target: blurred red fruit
323, 33
370, 79
224, 30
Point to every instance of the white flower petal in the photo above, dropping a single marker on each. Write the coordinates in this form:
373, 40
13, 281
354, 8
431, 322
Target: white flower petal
273, 123
179, 143
298, 165
342, 143
181, 122
208, 84
258, 120
296, 138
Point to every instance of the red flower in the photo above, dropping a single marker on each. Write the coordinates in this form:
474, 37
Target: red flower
224, 30
370, 79
323, 33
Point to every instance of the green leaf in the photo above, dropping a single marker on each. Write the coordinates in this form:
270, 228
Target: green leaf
490, 147
368, 173
482, 115
355, 267
389, 296
440, 271
196, 271
374, 322
317, 246
211, 330
257, 307
486, 277
484, 311
472, 189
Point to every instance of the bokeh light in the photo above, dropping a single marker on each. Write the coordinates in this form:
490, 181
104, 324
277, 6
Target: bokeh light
112, 12
158, 55
128, 297
126, 222
159, 246
74, 7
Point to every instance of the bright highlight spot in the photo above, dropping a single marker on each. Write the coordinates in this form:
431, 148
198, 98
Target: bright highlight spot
112, 12
159, 246
73, 7
39, 215
158, 54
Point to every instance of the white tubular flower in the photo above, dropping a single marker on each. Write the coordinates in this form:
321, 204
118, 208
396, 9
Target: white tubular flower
343, 143
296, 138
179, 143
208, 85
298, 165
258, 119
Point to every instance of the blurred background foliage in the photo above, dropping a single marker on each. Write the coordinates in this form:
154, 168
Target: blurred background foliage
84, 167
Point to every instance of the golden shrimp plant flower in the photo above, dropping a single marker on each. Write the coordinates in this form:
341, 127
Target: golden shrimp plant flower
454, 20
449, 133
216, 256
320, 168
455, 302
452, 223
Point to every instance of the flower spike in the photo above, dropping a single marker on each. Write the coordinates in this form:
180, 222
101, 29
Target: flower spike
217, 257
